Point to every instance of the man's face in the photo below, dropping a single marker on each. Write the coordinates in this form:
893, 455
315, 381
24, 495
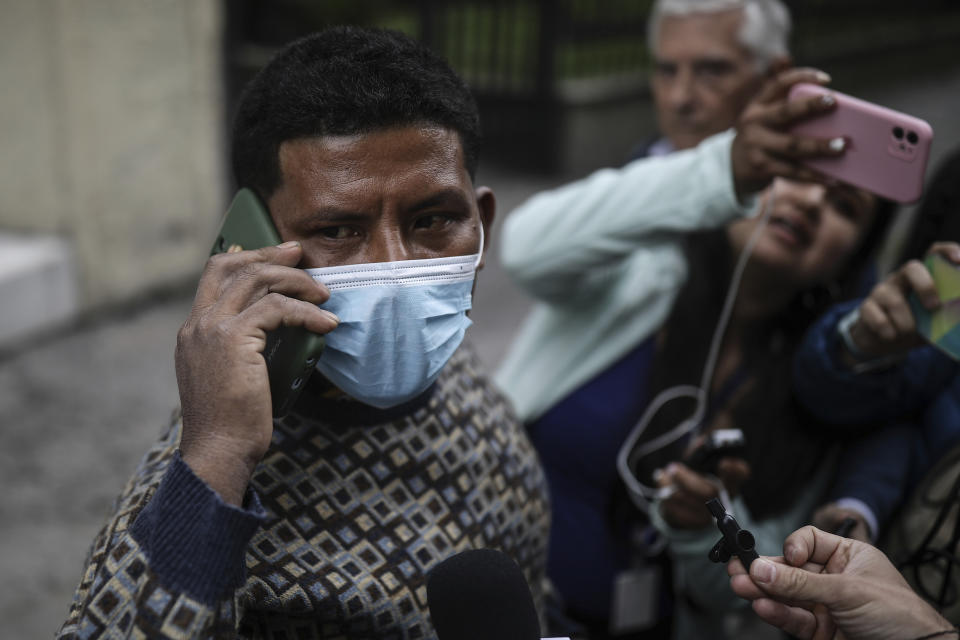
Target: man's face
703, 77
393, 194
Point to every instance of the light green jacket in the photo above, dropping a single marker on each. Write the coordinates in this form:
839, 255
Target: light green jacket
603, 257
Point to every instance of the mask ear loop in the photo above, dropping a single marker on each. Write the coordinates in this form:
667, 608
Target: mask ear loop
641, 494
476, 263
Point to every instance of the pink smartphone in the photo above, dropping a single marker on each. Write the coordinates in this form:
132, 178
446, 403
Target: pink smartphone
887, 150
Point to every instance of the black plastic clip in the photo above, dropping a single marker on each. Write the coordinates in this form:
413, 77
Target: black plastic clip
734, 541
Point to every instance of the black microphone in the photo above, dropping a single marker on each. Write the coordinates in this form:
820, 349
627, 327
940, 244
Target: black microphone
481, 594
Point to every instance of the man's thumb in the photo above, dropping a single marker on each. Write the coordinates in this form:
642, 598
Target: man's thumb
788, 582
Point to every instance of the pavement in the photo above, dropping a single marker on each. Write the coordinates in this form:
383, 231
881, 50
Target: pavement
78, 409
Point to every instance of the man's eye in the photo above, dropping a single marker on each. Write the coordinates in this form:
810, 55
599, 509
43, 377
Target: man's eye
337, 233
713, 69
434, 221
665, 70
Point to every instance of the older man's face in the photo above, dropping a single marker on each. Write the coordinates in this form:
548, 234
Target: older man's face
703, 77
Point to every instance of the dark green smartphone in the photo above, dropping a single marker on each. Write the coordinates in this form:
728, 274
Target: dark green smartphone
291, 352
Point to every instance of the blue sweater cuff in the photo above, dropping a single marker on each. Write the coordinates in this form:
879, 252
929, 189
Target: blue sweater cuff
195, 541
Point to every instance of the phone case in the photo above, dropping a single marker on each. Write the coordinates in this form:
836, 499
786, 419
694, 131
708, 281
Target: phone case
291, 352
941, 327
887, 150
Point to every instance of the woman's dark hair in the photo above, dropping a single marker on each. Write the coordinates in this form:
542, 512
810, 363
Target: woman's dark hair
938, 217
784, 445
346, 81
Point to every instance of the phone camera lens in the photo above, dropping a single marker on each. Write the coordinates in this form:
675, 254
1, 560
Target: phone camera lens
898, 133
912, 137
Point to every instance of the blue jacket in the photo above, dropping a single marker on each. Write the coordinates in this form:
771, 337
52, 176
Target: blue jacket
912, 409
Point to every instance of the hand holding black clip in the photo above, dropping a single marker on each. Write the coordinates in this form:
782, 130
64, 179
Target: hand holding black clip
734, 541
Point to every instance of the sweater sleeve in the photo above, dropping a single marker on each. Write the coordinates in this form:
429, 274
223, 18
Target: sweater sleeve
168, 563
569, 239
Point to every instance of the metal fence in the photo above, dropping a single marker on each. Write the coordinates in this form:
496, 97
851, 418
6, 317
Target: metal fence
530, 61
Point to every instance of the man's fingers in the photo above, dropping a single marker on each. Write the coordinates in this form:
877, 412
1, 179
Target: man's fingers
220, 266
746, 588
795, 621
793, 147
273, 310
783, 114
809, 544
757, 163
779, 86
786, 582
251, 282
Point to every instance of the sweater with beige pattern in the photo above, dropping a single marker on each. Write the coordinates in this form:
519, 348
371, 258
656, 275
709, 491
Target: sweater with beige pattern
347, 512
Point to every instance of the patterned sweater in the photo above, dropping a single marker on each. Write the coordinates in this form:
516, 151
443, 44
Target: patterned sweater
345, 515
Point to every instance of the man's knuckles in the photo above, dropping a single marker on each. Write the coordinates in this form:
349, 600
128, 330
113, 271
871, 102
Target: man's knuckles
286, 255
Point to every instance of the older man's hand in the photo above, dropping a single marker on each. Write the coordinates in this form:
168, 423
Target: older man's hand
764, 148
221, 372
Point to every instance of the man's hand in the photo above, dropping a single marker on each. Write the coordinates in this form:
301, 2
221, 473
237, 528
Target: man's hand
221, 372
830, 516
684, 508
886, 325
763, 147
825, 585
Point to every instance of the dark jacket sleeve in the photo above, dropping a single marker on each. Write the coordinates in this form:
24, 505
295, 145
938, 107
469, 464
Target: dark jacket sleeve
874, 469
837, 395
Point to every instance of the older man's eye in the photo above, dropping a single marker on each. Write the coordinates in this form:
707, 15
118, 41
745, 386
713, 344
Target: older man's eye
713, 68
665, 69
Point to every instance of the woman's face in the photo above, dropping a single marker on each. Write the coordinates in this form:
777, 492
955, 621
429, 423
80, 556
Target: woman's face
812, 231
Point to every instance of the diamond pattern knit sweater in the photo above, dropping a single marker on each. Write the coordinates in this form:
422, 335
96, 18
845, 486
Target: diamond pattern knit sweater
345, 515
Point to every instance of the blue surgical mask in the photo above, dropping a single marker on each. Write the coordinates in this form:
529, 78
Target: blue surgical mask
400, 322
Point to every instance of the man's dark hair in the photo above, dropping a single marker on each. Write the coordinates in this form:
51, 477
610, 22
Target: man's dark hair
346, 81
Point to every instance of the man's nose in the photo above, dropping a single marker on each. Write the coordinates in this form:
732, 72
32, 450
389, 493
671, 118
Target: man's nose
682, 92
387, 245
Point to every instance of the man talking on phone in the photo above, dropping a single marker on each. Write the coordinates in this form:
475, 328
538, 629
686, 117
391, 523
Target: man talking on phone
362, 144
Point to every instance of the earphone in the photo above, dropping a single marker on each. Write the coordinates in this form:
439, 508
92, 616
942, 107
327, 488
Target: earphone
642, 494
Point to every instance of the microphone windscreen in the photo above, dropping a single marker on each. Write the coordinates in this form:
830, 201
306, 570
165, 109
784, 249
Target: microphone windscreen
481, 594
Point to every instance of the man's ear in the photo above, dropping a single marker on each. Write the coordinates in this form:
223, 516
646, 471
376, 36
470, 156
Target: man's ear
487, 206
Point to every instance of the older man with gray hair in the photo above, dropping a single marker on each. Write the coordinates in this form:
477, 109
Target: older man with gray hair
710, 58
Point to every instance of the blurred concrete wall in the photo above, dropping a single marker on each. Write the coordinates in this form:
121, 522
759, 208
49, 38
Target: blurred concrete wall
111, 113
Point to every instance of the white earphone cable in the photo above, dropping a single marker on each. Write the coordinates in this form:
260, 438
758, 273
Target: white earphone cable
627, 457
